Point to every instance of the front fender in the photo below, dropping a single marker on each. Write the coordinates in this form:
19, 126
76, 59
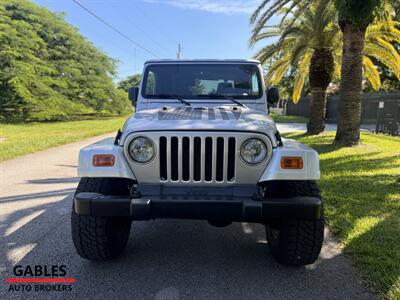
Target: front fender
120, 169
310, 170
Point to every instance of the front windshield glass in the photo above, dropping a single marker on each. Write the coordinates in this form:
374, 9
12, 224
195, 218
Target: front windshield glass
197, 81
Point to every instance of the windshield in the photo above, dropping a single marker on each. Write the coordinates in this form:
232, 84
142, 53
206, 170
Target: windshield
197, 81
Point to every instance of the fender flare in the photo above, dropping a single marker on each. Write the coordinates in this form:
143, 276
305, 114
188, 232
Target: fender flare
121, 168
310, 170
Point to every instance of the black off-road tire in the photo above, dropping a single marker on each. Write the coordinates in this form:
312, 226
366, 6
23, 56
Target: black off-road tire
295, 242
100, 238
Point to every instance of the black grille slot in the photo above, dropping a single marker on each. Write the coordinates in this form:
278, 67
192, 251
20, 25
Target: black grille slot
174, 158
201, 159
231, 159
220, 160
208, 160
197, 159
185, 158
163, 158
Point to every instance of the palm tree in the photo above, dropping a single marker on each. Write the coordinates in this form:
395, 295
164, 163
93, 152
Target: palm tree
354, 18
312, 43
306, 43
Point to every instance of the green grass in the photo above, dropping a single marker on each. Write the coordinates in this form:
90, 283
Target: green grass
288, 119
361, 190
21, 139
360, 187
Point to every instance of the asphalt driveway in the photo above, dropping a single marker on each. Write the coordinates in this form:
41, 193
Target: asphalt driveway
302, 127
165, 259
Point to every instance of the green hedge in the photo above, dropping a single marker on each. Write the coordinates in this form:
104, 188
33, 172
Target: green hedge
49, 71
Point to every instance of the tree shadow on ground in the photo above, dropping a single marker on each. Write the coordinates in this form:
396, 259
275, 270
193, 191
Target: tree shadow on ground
361, 187
384, 235
192, 259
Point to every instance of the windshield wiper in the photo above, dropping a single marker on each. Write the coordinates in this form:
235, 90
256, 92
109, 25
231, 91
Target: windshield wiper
165, 96
223, 96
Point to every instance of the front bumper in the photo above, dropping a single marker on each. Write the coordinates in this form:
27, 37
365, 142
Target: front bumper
196, 207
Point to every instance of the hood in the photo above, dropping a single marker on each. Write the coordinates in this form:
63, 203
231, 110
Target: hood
226, 118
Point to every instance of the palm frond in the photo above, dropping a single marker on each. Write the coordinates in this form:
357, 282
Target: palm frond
264, 35
258, 10
337, 64
385, 56
265, 53
371, 73
290, 31
280, 72
268, 13
302, 73
390, 48
298, 51
264, 12
278, 64
383, 30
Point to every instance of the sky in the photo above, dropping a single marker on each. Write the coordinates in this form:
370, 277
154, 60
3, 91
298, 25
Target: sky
204, 28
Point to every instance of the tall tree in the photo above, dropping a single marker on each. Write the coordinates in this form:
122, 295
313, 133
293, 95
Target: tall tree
354, 18
308, 44
129, 82
48, 71
312, 43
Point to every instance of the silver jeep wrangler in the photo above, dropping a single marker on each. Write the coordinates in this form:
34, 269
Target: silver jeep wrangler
200, 146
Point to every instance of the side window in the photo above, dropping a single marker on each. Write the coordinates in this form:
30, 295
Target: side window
254, 85
150, 84
207, 87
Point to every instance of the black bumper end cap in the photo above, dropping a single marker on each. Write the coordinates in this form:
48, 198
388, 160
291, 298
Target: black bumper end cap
95, 204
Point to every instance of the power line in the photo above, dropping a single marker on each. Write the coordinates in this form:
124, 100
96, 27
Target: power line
148, 36
152, 22
113, 28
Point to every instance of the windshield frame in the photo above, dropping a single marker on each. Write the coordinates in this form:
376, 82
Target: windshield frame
203, 97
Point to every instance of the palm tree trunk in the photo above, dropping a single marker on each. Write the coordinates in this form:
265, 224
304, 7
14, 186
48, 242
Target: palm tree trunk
321, 70
349, 110
316, 123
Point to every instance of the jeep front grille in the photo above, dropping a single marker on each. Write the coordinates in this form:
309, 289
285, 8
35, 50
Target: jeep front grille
197, 159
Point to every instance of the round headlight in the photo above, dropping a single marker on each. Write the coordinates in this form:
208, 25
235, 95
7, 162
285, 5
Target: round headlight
141, 149
253, 151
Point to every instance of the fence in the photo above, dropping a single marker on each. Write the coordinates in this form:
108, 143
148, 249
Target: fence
369, 108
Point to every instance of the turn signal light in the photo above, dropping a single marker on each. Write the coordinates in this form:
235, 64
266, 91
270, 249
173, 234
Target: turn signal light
291, 162
103, 160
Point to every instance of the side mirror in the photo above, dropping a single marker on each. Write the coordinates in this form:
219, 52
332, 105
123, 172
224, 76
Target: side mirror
133, 94
272, 95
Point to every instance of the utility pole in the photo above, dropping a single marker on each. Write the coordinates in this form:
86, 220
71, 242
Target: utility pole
178, 54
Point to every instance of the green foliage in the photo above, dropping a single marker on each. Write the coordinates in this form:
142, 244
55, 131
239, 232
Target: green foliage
302, 41
268, 8
288, 119
288, 61
129, 82
48, 71
360, 187
21, 139
390, 82
357, 13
